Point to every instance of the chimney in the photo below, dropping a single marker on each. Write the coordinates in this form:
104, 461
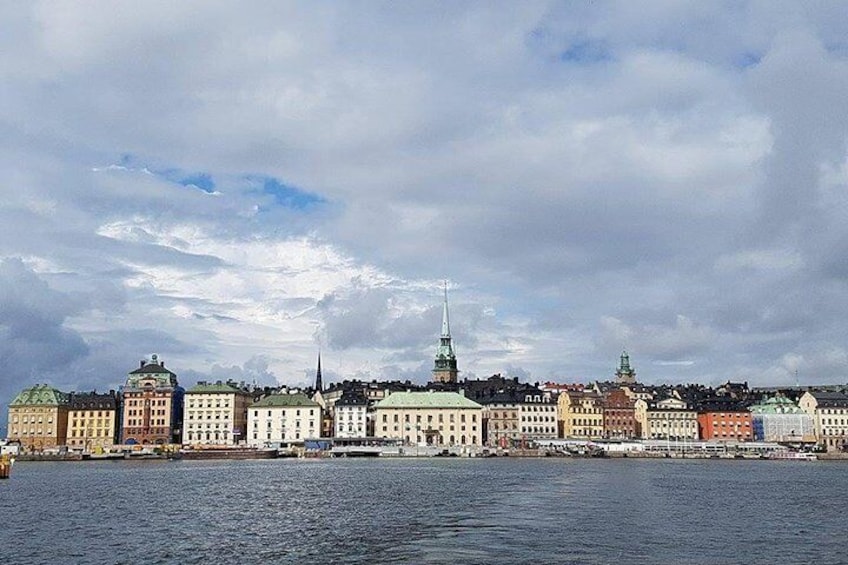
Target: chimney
141, 364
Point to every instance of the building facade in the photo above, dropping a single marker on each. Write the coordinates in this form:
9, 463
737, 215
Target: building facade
38, 418
429, 418
152, 405
537, 416
830, 417
669, 419
501, 419
724, 421
619, 415
92, 421
215, 414
778, 419
283, 420
351, 416
581, 414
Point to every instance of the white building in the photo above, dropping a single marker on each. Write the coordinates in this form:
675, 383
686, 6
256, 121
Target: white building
429, 418
350, 416
283, 420
215, 414
537, 416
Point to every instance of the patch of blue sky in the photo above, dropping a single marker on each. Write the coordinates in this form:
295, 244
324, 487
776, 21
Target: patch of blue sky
284, 194
746, 60
586, 52
203, 181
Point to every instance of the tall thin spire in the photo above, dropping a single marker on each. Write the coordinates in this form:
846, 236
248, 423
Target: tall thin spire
445, 370
319, 385
445, 315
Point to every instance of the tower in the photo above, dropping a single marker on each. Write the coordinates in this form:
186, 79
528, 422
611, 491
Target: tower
625, 374
319, 384
445, 370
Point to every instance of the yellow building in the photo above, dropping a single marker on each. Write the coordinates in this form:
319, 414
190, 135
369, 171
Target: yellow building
216, 414
38, 418
429, 418
92, 421
581, 414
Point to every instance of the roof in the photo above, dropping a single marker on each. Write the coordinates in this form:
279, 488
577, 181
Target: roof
93, 401
285, 400
777, 404
215, 388
352, 398
152, 368
40, 395
829, 399
428, 399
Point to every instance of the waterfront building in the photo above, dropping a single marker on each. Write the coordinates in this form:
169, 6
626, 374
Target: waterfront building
537, 416
153, 405
581, 414
778, 419
670, 419
625, 374
445, 370
429, 418
92, 421
725, 420
283, 419
351, 415
216, 414
619, 415
38, 418
501, 418
830, 416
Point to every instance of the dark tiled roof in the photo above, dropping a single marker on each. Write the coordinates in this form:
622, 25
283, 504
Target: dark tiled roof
152, 369
93, 401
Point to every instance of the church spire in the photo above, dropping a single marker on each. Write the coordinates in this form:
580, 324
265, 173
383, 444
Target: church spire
319, 385
445, 370
625, 373
445, 315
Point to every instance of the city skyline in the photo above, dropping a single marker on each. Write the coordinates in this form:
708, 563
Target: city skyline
235, 189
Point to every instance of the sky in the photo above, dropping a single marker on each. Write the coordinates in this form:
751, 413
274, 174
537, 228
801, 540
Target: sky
235, 187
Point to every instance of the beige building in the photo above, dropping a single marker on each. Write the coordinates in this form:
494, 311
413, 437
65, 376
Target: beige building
215, 414
670, 418
429, 418
830, 417
153, 405
283, 420
38, 418
500, 419
581, 414
92, 421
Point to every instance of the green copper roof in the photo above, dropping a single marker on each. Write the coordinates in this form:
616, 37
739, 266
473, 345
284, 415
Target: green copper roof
215, 388
428, 399
40, 395
283, 400
776, 405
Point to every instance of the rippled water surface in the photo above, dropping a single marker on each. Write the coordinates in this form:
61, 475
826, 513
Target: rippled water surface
426, 511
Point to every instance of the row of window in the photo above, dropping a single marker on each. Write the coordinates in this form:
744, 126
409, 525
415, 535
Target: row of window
32, 420
218, 404
429, 418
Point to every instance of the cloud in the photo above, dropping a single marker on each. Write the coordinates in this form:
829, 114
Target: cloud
220, 185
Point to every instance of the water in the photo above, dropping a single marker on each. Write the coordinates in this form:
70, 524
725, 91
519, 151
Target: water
425, 511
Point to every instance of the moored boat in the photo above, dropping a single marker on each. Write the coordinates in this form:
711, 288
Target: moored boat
792, 456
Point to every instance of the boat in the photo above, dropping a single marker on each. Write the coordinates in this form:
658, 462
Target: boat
792, 456
6, 463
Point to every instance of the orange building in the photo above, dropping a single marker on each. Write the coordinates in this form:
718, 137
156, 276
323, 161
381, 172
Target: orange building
152, 405
725, 421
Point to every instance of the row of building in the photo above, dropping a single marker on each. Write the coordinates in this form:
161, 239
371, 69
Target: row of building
151, 408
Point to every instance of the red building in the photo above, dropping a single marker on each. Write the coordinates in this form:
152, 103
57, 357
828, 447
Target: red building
619, 415
724, 421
